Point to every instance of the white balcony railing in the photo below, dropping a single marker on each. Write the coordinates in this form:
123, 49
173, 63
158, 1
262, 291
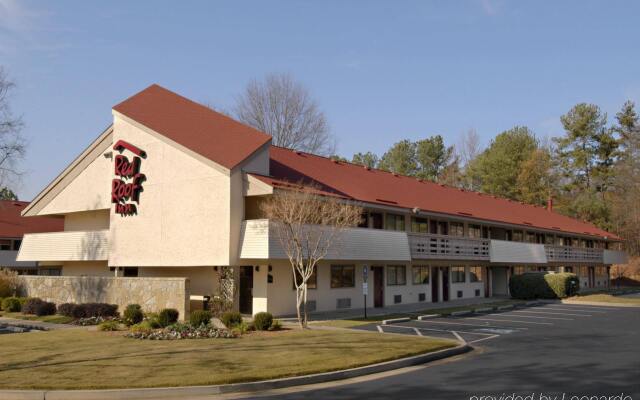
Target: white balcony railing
65, 246
573, 254
443, 247
259, 241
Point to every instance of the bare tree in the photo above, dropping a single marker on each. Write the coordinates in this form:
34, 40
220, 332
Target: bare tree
284, 109
469, 146
12, 143
308, 226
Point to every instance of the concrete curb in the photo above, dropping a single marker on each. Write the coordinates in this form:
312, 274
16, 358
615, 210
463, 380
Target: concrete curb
459, 313
508, 307
395, 320
428, 316
485, 309
177, 392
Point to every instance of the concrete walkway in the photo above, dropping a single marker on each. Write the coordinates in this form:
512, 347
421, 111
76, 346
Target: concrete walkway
25, 323
397, 309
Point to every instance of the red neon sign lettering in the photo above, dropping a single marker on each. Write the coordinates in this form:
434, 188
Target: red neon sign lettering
128, 183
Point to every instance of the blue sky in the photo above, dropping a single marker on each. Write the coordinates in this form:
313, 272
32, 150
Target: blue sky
381, 71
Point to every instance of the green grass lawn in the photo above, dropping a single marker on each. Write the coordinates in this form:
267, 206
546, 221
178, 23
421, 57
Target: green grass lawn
54, 319
80, 359
354, 322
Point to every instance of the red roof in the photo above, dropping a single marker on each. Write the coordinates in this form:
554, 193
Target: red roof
206, 132
379, 187
13, 225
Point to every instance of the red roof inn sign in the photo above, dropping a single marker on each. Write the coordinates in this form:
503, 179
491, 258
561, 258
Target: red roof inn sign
126, 187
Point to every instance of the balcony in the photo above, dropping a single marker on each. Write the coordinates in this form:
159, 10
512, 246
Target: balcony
569, 254
259, 241
443, 247
65, 246
507, 252
615, 257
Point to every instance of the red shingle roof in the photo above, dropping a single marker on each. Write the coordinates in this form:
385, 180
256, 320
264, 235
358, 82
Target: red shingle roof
13, 225
206, 132
379, 187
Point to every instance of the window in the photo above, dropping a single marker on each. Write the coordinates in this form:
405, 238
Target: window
130, 272
548, 239
530, 237
16, 244
420, 275
396, 275
568, 269
438, 227
312, 282
376, 220
456, 229
50, 271
474, 231
364, 220
5, 244
519, 270
475, 274
394, 222
457, 275
342, 276
419, 225
517, 236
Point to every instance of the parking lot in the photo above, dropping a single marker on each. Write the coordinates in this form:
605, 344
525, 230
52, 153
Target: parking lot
548, 351
495, 325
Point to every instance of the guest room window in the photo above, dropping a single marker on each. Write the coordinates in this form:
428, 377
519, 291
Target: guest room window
342, 276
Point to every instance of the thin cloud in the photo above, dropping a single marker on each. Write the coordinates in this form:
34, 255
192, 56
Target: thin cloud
22, 28
489, 7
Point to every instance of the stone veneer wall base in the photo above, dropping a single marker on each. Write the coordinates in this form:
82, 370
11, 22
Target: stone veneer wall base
153, 294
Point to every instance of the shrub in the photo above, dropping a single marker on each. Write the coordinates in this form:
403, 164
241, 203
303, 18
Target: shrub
543, 286
241, 328
168, 316
45, 308
66, 309
29, 306
262, 321
133, 314
276, 325
200, 317
1, 300
9, 282
11, 304
231, 319
143, 327
109, 326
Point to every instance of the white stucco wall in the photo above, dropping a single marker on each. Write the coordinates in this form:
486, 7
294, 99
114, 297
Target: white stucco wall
89, 190
184, 215
87, 221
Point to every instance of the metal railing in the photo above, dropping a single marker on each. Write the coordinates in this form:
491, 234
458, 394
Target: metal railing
573, 254
430, 246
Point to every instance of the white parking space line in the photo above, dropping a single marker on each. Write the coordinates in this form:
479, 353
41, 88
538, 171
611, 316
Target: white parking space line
458, 336
485, 338
573, 309
512, 314
380, 329
553, 313
508, 320
431, 321
417, 331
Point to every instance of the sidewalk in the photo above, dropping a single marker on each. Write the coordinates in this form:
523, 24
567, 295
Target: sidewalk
39, 325
397, 309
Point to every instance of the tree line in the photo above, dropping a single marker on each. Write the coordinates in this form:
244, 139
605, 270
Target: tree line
591, 170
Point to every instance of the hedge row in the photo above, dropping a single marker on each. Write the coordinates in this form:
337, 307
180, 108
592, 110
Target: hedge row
544, 286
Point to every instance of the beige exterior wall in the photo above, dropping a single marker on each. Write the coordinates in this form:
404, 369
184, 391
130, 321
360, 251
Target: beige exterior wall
87, 221
90, 190
184, 215
86, 268
279, 297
